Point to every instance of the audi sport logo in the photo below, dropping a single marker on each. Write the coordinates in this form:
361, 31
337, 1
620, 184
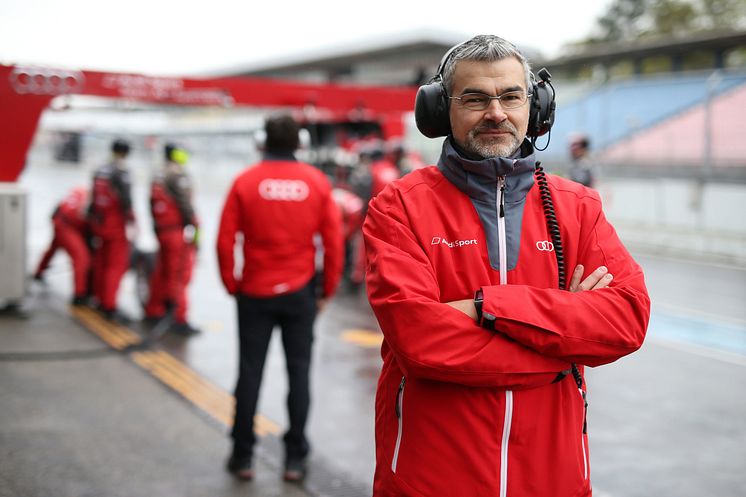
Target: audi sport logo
283, 189
42, 81
545, 246
437, 240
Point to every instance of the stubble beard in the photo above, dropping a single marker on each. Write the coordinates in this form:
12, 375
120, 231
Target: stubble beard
486, 148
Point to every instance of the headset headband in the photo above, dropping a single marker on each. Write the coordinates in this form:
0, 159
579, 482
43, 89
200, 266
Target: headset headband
431, 108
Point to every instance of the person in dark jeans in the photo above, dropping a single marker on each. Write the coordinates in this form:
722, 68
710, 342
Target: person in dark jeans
278, 206
294, 313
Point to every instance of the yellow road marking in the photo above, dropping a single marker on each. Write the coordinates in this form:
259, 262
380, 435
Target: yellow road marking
205, 396
364, 338
208, 394
117, 336
208, 397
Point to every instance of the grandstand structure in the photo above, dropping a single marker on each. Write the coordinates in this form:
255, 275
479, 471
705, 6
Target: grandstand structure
682, 123
664, 120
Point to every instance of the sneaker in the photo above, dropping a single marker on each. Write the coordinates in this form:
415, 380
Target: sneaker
295, 470
241, 467
151, 321
117, 317
184, 329
81, 301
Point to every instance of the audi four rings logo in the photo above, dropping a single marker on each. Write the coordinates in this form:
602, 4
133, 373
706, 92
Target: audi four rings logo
283, 189
42, 81
545, 246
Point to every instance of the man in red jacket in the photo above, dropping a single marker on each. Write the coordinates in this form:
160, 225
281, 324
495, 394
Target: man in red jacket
71, 234
175, 225
278, 206
485, 340
111, 217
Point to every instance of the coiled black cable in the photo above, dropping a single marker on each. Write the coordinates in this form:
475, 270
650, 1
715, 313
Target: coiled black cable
552, 224
554, 233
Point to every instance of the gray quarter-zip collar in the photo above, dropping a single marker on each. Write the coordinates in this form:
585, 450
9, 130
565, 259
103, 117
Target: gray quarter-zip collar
481, 180
477, 178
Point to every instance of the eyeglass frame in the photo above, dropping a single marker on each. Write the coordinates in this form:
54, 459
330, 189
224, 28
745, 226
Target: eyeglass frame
490, 98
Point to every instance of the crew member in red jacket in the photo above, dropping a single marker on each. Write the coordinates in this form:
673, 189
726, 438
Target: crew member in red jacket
382, 172
383, 169
278, 206
71, 234
176, 228
110, 217
481, 392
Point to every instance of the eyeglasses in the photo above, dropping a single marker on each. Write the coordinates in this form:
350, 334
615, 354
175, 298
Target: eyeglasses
480, 101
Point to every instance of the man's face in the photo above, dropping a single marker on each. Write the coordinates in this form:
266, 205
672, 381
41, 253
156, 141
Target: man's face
493, 132
576, 150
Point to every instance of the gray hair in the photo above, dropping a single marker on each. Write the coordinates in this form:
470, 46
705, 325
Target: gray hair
487, 48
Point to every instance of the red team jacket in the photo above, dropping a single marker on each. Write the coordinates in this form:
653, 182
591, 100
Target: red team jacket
72, 211
462, 411
382, 173
278, 206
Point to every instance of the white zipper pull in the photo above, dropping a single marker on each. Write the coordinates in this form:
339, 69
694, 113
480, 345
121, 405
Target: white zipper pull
501, 236
501, 182
399, 395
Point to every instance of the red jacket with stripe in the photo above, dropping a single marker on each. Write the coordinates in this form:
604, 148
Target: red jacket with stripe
466, 411
278, 206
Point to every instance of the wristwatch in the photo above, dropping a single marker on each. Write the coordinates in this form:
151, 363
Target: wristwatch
486, 321
478, 300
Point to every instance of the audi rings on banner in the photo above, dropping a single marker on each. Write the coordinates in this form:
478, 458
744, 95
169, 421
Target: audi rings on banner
43, 81
545, 246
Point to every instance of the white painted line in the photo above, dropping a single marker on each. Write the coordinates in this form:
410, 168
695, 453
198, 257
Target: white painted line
719, 355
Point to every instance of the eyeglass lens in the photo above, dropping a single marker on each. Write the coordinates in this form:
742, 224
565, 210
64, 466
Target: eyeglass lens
480, 101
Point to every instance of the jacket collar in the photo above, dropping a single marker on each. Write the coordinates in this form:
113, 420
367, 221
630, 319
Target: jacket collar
285, 157
477, 178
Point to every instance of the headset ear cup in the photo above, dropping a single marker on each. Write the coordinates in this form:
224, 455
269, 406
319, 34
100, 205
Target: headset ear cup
541, 115
431, 110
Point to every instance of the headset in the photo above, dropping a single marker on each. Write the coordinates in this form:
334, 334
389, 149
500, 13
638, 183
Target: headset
431, 104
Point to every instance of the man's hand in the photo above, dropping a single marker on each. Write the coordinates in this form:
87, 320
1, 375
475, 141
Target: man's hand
600, 278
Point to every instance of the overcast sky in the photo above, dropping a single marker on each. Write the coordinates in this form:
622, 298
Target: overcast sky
167, 37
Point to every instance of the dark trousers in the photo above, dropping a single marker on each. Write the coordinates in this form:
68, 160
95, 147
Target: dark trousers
294, 313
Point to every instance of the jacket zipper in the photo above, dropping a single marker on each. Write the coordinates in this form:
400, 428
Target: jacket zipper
503, 248
502, 244
504, 448
399, 416
583, 432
